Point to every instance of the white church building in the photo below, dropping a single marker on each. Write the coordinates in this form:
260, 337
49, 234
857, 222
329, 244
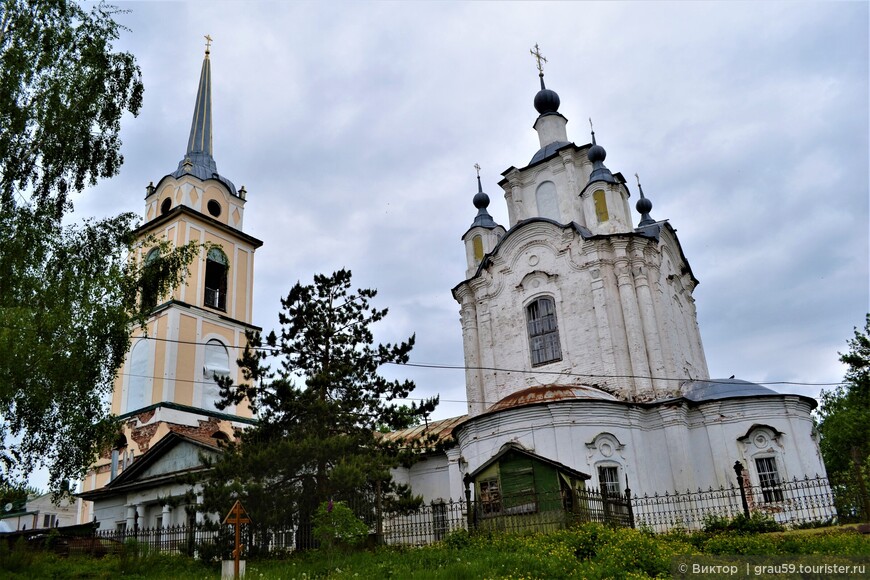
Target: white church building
583, 351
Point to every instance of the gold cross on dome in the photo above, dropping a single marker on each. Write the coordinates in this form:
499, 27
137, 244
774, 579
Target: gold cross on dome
539, 57
477, 167
207, 43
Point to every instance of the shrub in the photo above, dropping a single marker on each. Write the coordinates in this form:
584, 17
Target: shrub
756, 523
335, 525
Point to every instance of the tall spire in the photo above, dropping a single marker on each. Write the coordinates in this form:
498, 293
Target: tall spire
200, 128
199, 160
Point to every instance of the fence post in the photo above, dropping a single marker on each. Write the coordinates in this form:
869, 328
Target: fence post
738, 469
379, 526
468, 515
628, 503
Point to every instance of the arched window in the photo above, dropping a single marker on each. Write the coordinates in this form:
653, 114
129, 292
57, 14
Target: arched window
150, 283
762, 447
138, 382
216, 365
543, 331
548, 203
216, 266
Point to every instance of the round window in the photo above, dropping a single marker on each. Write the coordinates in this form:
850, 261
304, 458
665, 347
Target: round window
165, 206
214, 208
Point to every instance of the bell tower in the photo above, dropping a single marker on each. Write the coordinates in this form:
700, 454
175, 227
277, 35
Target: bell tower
169, 380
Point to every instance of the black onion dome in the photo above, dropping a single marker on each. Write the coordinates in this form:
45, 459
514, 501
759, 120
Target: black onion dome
596, 153
546, 101
481, 200
643, 205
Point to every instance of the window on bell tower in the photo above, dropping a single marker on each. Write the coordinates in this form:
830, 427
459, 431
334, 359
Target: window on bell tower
150, 285
600, 202
216, 267
477, 246
543, 332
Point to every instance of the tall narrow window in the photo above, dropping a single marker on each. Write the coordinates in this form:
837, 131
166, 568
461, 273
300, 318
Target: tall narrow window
600, 201
139, 380
150, 283
768, 478
477, 246
217, 364
548, 203
216, 279
543, 332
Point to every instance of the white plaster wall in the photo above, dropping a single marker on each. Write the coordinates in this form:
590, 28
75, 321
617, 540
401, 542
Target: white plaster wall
663, 447
623, 314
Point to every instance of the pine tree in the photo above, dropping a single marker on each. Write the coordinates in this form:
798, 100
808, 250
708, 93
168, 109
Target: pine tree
319, 413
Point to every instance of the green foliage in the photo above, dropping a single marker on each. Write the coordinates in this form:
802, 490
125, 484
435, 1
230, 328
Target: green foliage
845, 428
63, 91
457, 539
335, 525
69, 295
588, 551
319, 412
756, 523
68, 302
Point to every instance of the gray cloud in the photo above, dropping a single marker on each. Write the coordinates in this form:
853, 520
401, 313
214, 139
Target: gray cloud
354, 127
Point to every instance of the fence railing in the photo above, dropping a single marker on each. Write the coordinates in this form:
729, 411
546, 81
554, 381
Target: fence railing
791, 503
794, 502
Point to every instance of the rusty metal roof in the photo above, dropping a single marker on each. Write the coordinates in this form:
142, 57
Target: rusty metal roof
550, 393
441, 430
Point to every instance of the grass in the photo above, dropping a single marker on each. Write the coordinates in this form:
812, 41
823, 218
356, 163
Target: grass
589, 551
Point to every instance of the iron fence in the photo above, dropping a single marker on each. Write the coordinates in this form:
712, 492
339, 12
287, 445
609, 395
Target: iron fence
806, 501
792, 503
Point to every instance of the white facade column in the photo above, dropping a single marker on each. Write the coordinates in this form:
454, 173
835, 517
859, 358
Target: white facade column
131, 517
602, 325
454, 474
631, 317
165, 516
652, 340
200, 516
471, 347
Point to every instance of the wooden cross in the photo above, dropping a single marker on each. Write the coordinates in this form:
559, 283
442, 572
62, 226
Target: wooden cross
207, 43
237, 517
539, 57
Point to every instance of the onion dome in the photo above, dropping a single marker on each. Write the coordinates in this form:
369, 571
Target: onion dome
481, 202
643, 206
546, 100
596, 156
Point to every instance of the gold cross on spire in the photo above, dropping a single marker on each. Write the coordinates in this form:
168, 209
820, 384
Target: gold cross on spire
477, 167
638, 179
539, 57
207, 43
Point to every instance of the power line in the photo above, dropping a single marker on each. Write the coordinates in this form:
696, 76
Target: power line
439, 366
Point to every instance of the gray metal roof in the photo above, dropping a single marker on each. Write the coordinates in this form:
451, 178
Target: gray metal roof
548, 150
715, 389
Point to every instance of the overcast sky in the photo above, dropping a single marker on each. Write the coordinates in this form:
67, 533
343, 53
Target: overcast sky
355, 128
